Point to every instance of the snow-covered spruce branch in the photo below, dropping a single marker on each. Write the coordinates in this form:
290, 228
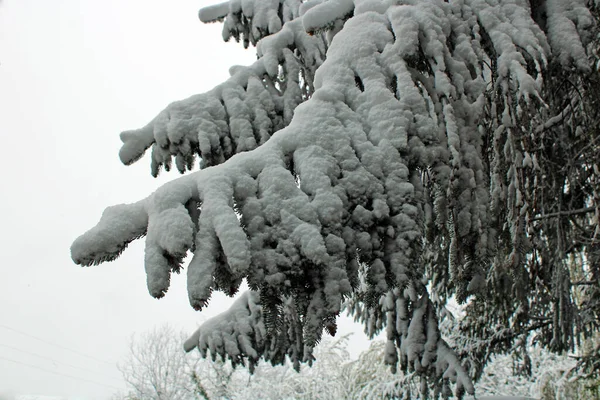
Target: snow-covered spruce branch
379, 181
242, 335
292, 234
251, 21
238, 115
236, 334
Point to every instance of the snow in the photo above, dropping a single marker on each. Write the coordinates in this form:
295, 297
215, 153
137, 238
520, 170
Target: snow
566, 22
214, 13
324, 15
119, 225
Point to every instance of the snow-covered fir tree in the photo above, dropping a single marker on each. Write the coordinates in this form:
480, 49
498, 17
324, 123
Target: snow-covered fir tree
386, 156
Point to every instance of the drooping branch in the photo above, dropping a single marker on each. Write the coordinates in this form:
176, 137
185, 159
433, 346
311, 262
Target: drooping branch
565, 213
238, 115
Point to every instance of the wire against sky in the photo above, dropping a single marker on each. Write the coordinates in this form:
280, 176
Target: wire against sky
59, 362
57, 345
60, 373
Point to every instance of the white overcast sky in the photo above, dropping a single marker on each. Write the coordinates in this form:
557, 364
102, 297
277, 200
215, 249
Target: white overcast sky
73, 74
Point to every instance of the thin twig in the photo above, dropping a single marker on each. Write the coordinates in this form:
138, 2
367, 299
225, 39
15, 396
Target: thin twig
564, 213
550, 122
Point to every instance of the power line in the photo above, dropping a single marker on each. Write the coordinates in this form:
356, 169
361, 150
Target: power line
59, 373
57, 345
58, 362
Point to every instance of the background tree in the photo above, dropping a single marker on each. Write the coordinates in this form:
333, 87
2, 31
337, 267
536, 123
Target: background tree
158, 368
334, 375
325, 379
387, 154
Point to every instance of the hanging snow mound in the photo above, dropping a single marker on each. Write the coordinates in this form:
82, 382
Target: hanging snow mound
568, 23
118, 226
251, 20
323, 17
214, 13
